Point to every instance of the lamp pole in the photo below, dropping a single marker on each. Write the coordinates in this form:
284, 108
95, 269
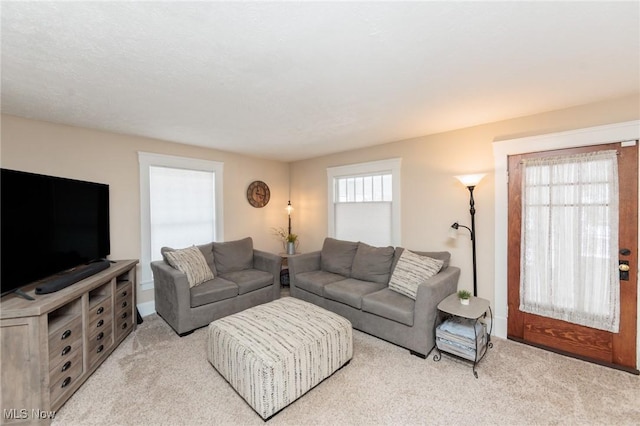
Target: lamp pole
472, 211
470, 181
289, 213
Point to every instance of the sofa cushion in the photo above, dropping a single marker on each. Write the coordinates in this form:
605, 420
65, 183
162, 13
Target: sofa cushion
445, 256
350, 291
233, 256
314, 281
389, 304
337, 256
207, 252
192, 263
372, 263
249, 280
411, 271
213, 291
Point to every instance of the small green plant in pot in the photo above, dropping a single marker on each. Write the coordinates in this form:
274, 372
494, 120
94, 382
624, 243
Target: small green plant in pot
464, 296
291, 243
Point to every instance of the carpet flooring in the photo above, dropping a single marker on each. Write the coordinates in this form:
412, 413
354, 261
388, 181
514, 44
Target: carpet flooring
157, 378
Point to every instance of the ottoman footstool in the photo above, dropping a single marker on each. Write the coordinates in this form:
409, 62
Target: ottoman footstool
274, 353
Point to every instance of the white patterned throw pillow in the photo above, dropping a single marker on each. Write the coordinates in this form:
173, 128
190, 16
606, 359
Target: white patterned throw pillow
191, 262
411, 271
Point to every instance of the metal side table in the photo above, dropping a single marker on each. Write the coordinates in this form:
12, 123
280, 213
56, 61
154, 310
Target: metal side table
474, 349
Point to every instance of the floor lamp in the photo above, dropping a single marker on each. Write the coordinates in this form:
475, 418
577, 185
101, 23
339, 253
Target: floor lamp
289, 210
470, 181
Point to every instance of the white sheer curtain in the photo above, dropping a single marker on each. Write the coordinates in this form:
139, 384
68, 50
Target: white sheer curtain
569, 267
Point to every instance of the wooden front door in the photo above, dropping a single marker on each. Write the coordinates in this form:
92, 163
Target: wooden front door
613, 349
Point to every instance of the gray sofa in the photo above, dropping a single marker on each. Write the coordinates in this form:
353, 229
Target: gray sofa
244, 277
352, 280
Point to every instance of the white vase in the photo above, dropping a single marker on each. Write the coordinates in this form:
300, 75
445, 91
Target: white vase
464, 301
291, 247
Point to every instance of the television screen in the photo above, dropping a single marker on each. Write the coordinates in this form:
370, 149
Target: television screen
49, 225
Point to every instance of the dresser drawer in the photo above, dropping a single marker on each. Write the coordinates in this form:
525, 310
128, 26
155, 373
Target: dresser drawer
102, 337
123, 292
124, 322
67, 331
65, 383
99, 344
62, 336
65, 365
123, 304
65, 351
100, 311
100, 317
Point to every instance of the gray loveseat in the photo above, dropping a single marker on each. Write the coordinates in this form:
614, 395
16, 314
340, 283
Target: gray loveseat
244, 277
352, 280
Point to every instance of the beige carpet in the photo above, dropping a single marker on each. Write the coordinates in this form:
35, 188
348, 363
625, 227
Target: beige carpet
158, 378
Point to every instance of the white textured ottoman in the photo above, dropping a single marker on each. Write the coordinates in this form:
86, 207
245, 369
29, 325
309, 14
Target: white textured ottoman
274, 353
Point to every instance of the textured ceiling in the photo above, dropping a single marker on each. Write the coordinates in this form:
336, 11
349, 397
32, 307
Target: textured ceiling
293, 80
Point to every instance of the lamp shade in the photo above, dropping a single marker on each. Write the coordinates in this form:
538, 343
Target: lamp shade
289, 208
471, 180
453, 233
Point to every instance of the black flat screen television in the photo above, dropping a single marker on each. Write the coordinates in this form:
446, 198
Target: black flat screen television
49, 225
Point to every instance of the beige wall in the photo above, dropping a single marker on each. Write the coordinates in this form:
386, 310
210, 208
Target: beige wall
431, 198
110, 158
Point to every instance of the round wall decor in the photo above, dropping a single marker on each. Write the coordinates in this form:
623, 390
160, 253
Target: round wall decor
258, 194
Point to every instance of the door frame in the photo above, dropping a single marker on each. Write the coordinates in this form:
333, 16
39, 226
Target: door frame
619, 132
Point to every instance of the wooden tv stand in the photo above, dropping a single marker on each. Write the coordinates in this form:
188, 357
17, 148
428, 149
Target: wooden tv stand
52, 344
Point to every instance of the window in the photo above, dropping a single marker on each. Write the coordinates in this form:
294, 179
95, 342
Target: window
181, 205
570, 239
364, 202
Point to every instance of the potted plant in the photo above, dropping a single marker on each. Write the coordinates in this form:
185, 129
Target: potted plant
291, 243
464, 296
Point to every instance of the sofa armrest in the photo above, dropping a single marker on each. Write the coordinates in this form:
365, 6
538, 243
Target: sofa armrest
271, 263
305, 262
268, 262
432, 292
300, 263
172, 292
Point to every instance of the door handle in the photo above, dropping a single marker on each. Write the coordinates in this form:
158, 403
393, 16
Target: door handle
623, 267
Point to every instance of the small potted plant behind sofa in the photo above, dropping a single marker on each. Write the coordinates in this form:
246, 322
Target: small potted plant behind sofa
291, 243
464, 296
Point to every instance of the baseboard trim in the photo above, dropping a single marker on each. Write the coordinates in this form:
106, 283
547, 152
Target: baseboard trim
147, 308
500, 327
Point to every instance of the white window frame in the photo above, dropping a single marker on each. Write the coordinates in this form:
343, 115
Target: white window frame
147, 160
369, 168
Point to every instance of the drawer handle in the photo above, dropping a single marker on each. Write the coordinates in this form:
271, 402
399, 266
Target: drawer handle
124, 304
124, 315
100, 310
66, 366
123, 294
100, 348
66, 334
124, 325
100, 336
66, 350
100, 323
66, 382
